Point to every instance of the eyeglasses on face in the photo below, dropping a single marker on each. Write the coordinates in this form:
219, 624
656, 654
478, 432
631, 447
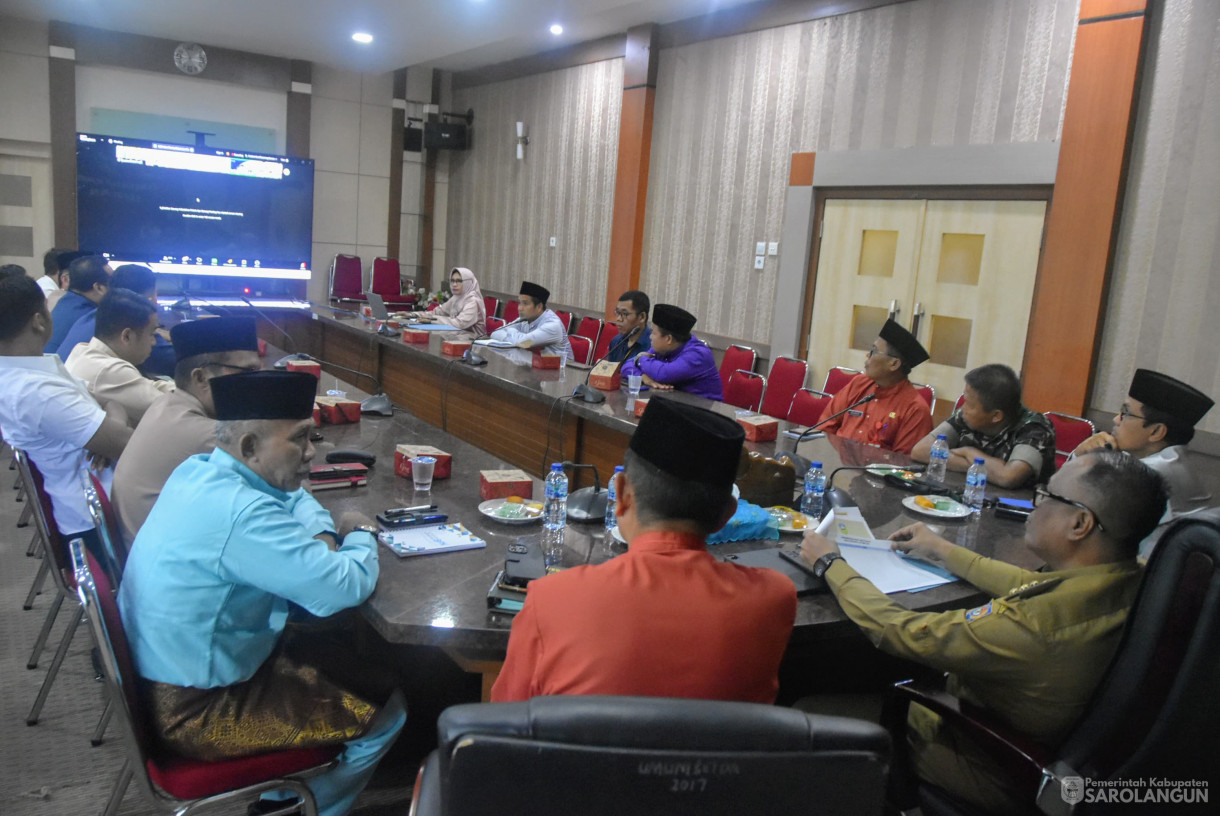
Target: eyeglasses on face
624, 313
1125, 412
874, 350
1041, 493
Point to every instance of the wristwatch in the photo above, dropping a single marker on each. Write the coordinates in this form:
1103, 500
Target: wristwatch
822, 564
367, 528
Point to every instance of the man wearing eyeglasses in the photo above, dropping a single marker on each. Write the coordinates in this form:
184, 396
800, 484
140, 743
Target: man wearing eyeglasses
183, 423
896, 417
1034, 654
1155, 424
631, 320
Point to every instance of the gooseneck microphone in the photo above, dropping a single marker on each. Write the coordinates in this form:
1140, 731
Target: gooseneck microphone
836, 415
471, 357
293, 354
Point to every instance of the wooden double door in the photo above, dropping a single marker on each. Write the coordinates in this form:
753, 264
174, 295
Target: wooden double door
959, 274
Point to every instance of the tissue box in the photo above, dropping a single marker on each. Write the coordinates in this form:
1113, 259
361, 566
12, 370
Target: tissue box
404, 453
367, 311
455, 348
759, 428
500, 484
317, 415
606, 376
640, 405
338, 410
545, 361
410, 335
308, 366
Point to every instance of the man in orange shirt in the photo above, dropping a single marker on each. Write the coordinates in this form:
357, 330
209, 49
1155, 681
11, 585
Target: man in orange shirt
896, 417
666, 619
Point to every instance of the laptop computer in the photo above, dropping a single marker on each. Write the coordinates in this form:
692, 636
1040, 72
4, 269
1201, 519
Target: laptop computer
377, 306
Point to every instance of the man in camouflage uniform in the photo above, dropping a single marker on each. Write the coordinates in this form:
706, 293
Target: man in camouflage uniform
1034, 654
1018, 444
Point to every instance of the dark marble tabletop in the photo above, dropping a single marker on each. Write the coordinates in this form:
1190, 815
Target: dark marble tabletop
441, 599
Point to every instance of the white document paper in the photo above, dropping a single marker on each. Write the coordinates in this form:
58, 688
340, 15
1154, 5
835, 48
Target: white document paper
427, 540
875, 560
494, 343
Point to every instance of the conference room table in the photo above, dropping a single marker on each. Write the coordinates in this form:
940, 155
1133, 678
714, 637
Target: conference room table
440, 600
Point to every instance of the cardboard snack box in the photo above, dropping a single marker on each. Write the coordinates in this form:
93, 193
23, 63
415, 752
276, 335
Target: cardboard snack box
545, 361
606, 376
404, 453
338, 410
455, 348
500, 484
308, 366
410, 335
759, 427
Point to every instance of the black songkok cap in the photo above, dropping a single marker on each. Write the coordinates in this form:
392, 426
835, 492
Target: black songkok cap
1174, 397
538, 293
672, 319
689, 443
903, 343
213, 335
264, 395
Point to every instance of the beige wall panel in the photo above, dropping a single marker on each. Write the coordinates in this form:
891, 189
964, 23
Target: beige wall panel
335, 197
334, 135
24, 97
335, 83
1165, 286
502, 212
23, 36
373, 210
375, 141
730, 112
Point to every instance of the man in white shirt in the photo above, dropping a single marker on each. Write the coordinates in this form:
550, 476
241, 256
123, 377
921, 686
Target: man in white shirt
124, 337
540, 328
51, 279
1155, 424
48, 413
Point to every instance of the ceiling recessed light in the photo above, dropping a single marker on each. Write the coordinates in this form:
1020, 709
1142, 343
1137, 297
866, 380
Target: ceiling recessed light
557, 29
361, 37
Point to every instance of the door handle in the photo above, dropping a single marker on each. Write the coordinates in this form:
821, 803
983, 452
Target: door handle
915, 317
894, 310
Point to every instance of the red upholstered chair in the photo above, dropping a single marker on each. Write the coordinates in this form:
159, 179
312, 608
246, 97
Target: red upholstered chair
173, 783
807, 406
745, 389
927, 392
1070, 431
786, 377
959, 402
736, 357
494, 323
838, 377
387, 282
581, 348
590, 327
346, 278
511, 311
609, 332
491, 304
566, 319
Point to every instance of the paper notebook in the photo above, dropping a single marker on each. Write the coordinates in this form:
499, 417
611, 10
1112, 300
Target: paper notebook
438, 538
875, 560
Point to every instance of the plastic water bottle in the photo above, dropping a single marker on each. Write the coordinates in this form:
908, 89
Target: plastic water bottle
976, 486
814, 498
938, 460
612, 502
555, 515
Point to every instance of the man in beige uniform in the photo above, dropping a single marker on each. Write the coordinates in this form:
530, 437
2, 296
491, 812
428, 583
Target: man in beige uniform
1034, 654
125, 334
183, 423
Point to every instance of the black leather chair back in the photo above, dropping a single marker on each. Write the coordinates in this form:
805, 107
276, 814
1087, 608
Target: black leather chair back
625, 755
1157, 713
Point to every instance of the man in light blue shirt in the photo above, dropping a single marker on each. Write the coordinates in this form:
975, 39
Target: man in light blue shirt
540, 328
230, 541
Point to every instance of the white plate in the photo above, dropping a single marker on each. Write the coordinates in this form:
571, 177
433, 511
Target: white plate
958, 511
786, 526
489, 507
883, 470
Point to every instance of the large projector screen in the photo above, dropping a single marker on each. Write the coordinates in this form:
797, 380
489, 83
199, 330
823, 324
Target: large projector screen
195, 211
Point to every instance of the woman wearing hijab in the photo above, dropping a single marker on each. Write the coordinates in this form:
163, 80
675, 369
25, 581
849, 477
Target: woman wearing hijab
464, 310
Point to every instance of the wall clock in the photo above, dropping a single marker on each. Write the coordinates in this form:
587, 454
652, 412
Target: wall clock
190, 58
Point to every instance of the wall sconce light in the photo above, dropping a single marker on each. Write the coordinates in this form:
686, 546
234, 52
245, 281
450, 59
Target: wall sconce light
522, 141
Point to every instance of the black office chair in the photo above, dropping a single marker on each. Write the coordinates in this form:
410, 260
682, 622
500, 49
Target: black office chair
616, 755
1155, 714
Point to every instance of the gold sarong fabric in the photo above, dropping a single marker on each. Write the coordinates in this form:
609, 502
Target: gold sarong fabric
284, 705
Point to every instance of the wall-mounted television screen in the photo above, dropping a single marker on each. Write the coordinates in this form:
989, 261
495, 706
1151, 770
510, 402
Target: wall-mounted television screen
195, 210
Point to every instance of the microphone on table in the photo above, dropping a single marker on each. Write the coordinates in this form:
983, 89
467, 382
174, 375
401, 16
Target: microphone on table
379, 403
587, 392
281, 363
588, 503
471, 357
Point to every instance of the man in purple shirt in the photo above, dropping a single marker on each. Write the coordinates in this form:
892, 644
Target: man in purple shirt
677, 360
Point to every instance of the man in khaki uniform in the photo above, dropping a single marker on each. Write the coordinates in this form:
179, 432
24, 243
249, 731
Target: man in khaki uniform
181, 424
1034, 654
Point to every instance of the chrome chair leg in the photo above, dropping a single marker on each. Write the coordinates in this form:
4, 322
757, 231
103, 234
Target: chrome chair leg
35, 544
45, 632
27, 513
21, 493
60, 653
36, 587
100, 731
120, 788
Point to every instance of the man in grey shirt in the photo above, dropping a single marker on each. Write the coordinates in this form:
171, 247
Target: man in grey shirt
183, 423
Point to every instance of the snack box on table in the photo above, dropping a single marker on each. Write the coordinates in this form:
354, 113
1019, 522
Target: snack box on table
338, 410
455, 348
404, 453
308, 366
759, 427
500, 484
